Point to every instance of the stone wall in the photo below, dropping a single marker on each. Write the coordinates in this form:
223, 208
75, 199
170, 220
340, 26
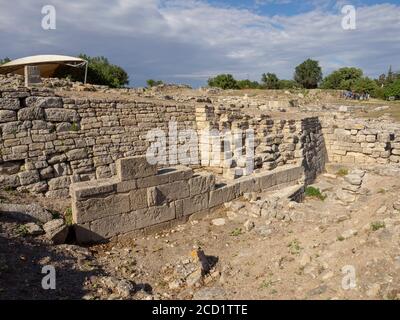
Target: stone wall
47, 142
141, 197
361, 141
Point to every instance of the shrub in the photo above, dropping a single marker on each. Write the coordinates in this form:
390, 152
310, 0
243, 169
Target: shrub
308, 74
312, 192
223, 81
153, 83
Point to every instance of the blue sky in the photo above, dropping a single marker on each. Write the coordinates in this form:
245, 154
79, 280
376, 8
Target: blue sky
188, 41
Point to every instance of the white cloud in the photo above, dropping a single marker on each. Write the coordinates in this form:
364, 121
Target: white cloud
189, 40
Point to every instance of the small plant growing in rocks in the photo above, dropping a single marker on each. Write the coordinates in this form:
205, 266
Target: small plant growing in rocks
375, 226
68, 217
312, 192
237, 232
22, 230
342, 172
74, 127
294, 247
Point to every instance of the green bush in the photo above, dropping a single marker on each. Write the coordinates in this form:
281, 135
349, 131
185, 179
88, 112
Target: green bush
393, 90
364, 85
312, 192
223, 81
247, 84
270, 81
5, 60
100, 72
342, 79
153, 83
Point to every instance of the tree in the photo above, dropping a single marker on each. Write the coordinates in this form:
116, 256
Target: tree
270, 81
342, 79
365, 85
393, 90
100, 71
223, 81
247, 84
308, 74
5, 60
153, 83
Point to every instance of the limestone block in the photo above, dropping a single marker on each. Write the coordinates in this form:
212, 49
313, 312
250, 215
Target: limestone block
224, 194
196, 203
201, 183
34, 113
96, 208
77, 154
9, 104
7, 116
111, 226
59, 183
61, 115
134, 168
44, 102
154, 197
97, 188
29, 177
138, 199
175, 190
155, 215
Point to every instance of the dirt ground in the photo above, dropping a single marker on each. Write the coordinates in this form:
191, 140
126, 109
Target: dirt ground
323, 249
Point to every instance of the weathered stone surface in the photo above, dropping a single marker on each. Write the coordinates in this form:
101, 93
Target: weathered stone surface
196, 203
61, 115
59, 183
34, 113
353, 179
26, 213
7, 116
154, 197
175, 190
155, 215
223, 194
9, 104
139, 199
96, 208
201, 183
44, 102
33, 229
56, 231
9, 168
29, 177
135, 167
84, 190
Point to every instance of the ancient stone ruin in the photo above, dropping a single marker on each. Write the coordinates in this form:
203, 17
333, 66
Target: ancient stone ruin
93, 149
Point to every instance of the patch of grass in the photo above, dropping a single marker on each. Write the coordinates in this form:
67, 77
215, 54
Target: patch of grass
340, 238
68, 217
294, 247
342, 172
375, 226
381, 191
74, 127
312, 192
22, 230
237, 232
266, 284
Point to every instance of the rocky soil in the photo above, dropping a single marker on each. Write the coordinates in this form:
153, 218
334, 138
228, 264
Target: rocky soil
341, 242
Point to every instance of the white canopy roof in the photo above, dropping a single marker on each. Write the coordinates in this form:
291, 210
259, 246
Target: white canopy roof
47, 64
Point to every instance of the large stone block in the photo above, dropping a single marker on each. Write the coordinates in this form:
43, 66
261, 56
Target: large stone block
155, 215
134, 168
61, 115
195, 204
44, 102
59, 183
96, 188
7, 116
138, 199
96, 208
29, 177
201, 183
29, 114
9, 103
175, 190
224, 194
114, 225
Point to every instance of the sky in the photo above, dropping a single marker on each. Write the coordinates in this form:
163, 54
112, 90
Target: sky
188, 41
